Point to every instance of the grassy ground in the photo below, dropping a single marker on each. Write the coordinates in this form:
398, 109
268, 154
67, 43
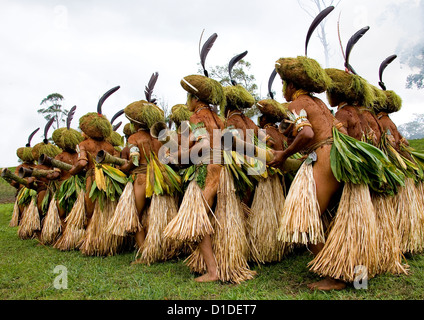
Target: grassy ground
417, 144
27, 273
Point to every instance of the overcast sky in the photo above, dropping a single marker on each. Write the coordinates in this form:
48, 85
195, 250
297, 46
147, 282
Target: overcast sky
81, 49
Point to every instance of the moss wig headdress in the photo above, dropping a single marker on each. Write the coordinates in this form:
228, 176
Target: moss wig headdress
272, 109
180, 113
305, 73
393, 101
351, 88
145, 113
25, 153
201, 86
67, 138
237, 97
45, 147
96, 125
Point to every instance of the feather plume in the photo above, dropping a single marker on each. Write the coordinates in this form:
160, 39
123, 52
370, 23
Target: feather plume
70, 117
46, 130
150, 86
207, 46
116, 126
351, 43
383, 66
270, 82
30, 137
117, 115
104, 97
321, 16
232, 63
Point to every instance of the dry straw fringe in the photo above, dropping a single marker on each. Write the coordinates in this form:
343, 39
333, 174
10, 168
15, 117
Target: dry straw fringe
156, 247
97, 241
230, 243
125, 219
410, 218
30, 222
192, 221
52, 225
300, 220
388, 236
75, 226
14, 222
353, 240
263, 222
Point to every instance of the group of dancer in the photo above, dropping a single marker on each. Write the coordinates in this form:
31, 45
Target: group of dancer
214, 187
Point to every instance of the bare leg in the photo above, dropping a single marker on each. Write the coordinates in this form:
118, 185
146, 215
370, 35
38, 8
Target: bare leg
140, 202
209, 193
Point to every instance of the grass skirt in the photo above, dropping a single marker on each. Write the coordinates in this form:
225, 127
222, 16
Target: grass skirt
300, 221
30, 222
352, 240
52, 225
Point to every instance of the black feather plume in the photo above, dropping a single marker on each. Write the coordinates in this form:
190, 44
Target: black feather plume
351, 43
30, 137
46, 130
270, 82
70, 117
117, 115
150, 86
321, 16
207, 46
116, 126
232, 63
104, 97
383, 66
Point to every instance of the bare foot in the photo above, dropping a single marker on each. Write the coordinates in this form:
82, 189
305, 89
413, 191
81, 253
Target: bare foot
327, 284
206, 278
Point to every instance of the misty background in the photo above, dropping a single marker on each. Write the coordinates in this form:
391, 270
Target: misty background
81, 49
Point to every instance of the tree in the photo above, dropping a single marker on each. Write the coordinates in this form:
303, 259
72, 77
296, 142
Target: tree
240, 75
54, 109
313, 9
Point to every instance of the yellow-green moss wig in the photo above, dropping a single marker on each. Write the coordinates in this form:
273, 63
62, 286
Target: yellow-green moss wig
351, 87
305, 73
95, 125
273, 110
180, 113
25, 154
67, 139
204, 88
115, 139
42, 148
144, 113
237, 97
394, 102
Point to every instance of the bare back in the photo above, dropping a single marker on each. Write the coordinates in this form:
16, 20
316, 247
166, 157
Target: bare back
145, 143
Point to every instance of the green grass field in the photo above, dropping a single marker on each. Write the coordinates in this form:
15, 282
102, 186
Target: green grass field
27, 273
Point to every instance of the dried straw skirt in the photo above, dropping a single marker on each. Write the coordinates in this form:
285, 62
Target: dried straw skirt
52, 225
162, 209
262, 222
30, 222
390, 255
97, 241
410, 217
192, 221
14, 222
125, 219
229, 242
352, 240
300, 220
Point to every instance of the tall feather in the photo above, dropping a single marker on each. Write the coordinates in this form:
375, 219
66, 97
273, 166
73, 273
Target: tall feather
148, 90
30, 137
321, 16
116, 126
207, 46
70, 117
383, 66
270, 82
117, 115
47, 128
351, 43
104, 97
232, 63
